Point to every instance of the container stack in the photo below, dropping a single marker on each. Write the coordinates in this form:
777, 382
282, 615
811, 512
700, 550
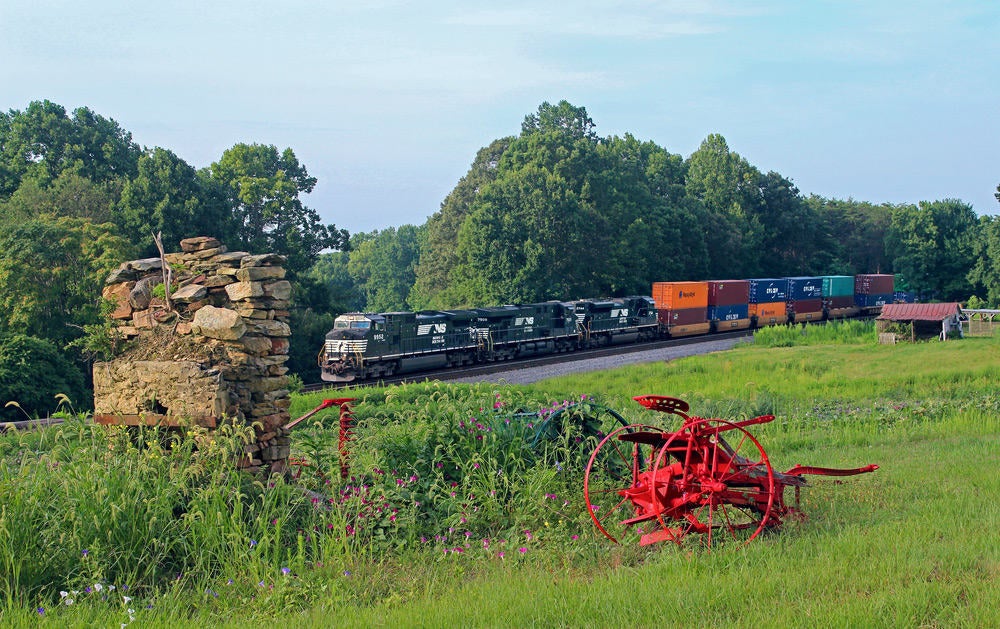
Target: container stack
838, 296
768, 301
873, 290
682, 307
805, 299
729, 304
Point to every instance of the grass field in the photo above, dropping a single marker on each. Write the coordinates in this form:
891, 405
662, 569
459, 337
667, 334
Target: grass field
458, 515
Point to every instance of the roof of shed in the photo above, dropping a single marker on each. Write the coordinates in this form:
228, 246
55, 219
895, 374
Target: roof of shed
919, 312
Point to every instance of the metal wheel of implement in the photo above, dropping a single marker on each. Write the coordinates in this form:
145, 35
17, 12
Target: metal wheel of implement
618, 471
705, 485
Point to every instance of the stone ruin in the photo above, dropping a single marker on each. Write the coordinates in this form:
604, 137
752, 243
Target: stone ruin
210, 349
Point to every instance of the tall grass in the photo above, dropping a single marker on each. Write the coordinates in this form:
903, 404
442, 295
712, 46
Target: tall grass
463, 505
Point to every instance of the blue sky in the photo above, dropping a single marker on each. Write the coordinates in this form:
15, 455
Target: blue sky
387, 102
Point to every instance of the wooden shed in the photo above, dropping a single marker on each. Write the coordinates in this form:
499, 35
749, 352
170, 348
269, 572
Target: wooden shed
918, 321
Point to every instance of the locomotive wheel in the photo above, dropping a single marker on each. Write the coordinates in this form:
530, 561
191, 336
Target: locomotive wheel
724, 492
616, 470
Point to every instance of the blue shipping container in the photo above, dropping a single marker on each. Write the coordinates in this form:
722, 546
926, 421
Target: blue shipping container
870, 301
765, 291
729, 313
802, 288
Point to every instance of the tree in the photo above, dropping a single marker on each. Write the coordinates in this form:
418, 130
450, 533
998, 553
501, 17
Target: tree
43, 142
32, 373
563, 118
534, 233
52, 270
851, 235
262, 188
726, 185
932, 246
435, 270
985, 272
169, 196
383, 267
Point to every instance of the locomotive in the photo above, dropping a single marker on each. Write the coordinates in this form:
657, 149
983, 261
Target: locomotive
365, 345
368, 346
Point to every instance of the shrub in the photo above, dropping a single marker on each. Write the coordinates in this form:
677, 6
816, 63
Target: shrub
32, 373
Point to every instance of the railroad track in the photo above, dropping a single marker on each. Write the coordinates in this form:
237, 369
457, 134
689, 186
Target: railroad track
486, 369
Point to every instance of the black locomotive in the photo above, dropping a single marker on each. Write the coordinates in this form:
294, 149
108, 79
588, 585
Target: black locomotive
368, 346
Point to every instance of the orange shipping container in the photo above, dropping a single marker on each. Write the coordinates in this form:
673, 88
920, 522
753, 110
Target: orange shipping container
680, 295
770, 313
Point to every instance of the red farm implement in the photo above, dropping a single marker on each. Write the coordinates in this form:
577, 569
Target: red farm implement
665, 486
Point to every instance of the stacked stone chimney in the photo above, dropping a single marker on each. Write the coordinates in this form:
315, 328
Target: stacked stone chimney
213, 348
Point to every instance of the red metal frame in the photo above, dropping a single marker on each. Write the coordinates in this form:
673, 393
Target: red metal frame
666, 486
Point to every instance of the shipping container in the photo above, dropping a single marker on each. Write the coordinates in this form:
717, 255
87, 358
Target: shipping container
874, 284
690, 330
800, 288
686, 316
771, 313
872, 301
729, 326
764, 291
680, 295
806, 305
846, 301
728, 292
838, 286
729, 313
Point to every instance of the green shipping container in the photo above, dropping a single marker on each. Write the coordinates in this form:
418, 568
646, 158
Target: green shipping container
838, 285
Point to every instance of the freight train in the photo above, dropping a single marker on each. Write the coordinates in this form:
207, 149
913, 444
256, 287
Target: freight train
368, 346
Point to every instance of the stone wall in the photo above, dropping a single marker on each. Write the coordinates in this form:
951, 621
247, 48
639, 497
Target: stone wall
214, 352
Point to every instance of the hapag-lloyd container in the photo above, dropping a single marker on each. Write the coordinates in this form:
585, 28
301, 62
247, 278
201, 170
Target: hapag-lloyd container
770, 313
728, 292
768, 290
680, 295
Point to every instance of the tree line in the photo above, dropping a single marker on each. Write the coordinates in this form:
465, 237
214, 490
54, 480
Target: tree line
559, 212
556, 212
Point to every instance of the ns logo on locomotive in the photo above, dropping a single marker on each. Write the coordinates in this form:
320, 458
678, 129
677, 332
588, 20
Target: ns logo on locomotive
363, 346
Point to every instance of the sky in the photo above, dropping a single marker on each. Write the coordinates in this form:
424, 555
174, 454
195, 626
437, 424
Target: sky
387, 102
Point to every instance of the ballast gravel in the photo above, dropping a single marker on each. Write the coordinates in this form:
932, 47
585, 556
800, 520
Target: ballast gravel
527, 375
